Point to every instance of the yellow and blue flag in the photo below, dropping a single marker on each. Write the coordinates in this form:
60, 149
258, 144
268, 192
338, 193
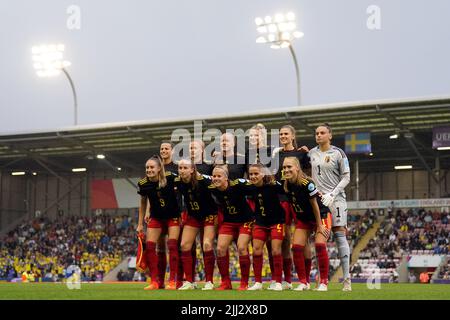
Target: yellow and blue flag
358, 143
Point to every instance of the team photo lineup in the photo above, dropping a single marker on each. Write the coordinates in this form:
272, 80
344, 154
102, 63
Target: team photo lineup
203, 154
237, 198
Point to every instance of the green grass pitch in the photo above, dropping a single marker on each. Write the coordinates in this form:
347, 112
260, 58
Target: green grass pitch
134, 291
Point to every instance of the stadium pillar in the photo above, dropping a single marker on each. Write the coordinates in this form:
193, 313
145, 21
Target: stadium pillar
437, 172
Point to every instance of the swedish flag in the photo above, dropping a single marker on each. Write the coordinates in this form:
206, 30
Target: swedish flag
358, 143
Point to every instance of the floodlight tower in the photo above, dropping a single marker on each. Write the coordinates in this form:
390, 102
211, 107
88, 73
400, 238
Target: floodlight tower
279, 31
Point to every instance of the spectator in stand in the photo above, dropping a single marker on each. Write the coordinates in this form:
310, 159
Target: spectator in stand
412, 277
424, 277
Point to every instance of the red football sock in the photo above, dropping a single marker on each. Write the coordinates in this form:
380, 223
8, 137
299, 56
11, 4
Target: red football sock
269, 251
322, 259
244, 262
278, 267
257, 267
162, 266
152, 259
224, 263
287, 269
299, 262
210, 260
173, 258
186, 257
194, 256
308, 269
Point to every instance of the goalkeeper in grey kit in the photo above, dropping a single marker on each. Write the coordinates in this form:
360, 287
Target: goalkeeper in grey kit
331, 173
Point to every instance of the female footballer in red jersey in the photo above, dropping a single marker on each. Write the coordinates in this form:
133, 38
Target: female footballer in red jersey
269, 222
158, 188
201, 214
237, 224
312, 215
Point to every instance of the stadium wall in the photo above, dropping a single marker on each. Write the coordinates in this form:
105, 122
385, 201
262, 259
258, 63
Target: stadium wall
409, 184
14, 194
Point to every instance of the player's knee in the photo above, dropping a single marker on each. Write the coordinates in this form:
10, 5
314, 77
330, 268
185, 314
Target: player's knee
242, 250
221, 250
207, 245
257, 249
276, 250
185, 246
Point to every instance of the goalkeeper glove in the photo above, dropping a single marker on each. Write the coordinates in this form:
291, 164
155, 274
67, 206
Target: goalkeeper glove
327, 199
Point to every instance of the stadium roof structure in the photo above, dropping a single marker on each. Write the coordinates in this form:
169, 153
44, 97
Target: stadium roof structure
129, 144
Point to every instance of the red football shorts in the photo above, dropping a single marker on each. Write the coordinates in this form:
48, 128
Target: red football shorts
275, 231
184, 216
208, 221
312, 225
289, 214
235, 229
154, 223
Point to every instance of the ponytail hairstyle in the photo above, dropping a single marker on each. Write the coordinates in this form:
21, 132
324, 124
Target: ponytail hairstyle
268, 177
301, 174
162, 180
292, 129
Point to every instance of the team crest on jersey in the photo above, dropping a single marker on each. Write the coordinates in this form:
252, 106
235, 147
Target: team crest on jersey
327, 159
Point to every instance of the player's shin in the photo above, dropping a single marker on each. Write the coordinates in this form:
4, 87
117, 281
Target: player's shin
186, 257
244, 262
344, 252
173, 258
299, 262
152, 259
209, 260
323, 262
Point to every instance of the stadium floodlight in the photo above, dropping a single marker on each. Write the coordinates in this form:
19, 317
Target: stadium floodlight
78, 169
119, 169
403, 167
100, 156
48, 62
279, 31
443, 148
34, 173
393, 136
18, 173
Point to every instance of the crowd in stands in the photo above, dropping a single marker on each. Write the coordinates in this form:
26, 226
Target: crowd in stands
42, 249
404, 232
444, 273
